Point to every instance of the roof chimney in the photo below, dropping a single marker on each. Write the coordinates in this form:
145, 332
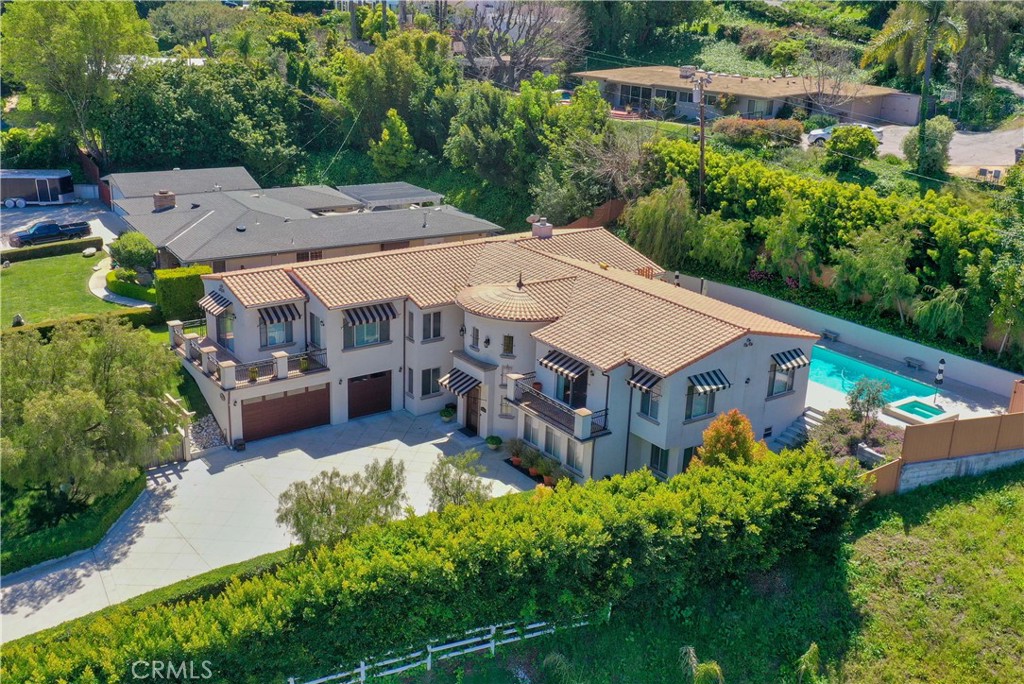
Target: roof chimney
542, 229
687, 72
163, 200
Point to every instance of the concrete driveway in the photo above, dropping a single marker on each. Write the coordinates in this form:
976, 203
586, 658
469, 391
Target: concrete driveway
104, 223
993, 148
219, 510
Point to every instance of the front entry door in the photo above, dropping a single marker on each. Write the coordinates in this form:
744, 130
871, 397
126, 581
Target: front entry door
473, 410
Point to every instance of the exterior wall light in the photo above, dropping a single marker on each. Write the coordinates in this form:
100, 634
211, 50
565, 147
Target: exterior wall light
462, 331
487, 341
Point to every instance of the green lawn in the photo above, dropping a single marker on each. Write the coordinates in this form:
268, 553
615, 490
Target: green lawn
929, 587
186, 388
45, 289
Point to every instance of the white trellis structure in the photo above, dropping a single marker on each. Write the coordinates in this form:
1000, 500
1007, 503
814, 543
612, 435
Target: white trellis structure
473, 641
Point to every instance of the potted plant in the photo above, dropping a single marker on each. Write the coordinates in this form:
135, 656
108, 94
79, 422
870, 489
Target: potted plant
493, 442
532, 459
547, 470
538, 386
254, 373
516, 447
447, 414
304, 364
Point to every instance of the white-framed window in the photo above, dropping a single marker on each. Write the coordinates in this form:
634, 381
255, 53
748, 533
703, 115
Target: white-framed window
552, 443
275, 334
779, 381
507, 409
409, 326
367, 334
688, 454
649, 404
474, 340
408, 381
432, 325
659, 460
505, 370
531, 430
508, 345
710, 100
686, 96
315, 331
699, 405
429, 384
573, 459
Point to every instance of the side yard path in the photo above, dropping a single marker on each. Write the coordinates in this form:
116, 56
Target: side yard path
221, 509
98, 287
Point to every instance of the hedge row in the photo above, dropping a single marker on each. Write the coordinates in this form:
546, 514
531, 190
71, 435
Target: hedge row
81, 532
759, 132
139, 318
52, 249
178, 290
133, 290
546, 554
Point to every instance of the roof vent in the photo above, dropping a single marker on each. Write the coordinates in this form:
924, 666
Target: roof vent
542, 230
163, 200
240, 228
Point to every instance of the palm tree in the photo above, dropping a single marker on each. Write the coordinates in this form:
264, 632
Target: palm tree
911, 34
701, 673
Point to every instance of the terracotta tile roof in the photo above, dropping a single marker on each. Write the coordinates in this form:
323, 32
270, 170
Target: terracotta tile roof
543, 300
594, 245
260, 287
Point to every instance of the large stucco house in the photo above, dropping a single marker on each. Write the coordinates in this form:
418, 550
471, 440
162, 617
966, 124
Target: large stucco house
755, 97
566, 338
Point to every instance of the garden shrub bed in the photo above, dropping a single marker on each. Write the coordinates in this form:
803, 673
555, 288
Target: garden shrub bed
840, 433
548, 553
81, 532
178, 291
139, 318
52, 249
132, 290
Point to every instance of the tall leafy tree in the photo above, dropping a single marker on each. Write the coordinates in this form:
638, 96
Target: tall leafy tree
911, 35
83, 412
184, 23
395, 151
456, 481
71, 55
875, 264
662, 224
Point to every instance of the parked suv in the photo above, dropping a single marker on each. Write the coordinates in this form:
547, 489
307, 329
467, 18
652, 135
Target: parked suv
820, 136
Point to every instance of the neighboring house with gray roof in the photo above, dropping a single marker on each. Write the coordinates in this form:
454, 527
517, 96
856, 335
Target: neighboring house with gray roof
179, 181
235, 229
377, 196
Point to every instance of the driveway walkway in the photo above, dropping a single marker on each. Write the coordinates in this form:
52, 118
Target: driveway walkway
219, 510
992, 148
102, 220
98, 286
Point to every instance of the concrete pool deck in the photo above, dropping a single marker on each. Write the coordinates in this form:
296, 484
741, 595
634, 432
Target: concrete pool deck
955, 397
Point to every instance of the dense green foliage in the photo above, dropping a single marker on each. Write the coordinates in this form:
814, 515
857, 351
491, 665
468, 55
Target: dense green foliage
133, 250
79, 532
137, 318
925, 589
395, 151
456, 480
935, 157
848, 147
130, 289
948, 243
178, 290
758, 132
52, 249
545, 553
41, 147
84, 409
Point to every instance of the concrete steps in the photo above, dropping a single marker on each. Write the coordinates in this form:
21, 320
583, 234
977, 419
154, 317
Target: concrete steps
795, 434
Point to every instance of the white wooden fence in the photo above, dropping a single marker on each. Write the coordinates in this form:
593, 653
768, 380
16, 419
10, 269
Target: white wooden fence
473, 641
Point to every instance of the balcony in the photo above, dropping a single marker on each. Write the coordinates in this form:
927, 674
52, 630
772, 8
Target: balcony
189, 340
580, 423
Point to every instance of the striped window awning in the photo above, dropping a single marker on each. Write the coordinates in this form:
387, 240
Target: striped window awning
282, 313
712, 381
214, 303
374, 313
644, 380
789, 360
563, 364
458, 382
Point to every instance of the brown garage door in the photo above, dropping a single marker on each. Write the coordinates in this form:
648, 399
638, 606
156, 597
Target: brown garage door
278, 414
369, 394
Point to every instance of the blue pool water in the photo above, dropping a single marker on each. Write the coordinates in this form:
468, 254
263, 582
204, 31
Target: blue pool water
840, 372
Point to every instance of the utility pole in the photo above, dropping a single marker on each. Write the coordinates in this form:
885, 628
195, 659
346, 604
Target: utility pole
700, 81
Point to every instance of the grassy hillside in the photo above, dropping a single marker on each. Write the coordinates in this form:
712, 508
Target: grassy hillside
928, 588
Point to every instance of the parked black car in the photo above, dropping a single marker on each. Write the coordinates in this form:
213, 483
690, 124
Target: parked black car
50, 232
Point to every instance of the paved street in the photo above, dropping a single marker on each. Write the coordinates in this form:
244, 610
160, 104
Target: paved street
993, 148
220, 510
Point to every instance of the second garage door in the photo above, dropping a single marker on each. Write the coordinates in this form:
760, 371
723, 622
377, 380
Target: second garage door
369, 394
287, 412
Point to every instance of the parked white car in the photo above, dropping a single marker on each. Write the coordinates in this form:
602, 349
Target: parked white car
819, 136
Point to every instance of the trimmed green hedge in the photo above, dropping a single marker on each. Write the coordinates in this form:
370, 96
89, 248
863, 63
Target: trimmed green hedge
139, 318
52, 249
178, 290
81, 532
133, 290
538, 554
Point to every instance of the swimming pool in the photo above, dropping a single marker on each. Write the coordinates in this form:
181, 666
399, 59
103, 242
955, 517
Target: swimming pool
840, 372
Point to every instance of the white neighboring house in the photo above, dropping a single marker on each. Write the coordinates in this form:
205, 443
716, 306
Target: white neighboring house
565, 338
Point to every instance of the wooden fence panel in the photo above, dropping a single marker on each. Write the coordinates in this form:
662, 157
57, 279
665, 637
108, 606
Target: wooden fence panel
885, 479
1011, 432
974, 436
927, 442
